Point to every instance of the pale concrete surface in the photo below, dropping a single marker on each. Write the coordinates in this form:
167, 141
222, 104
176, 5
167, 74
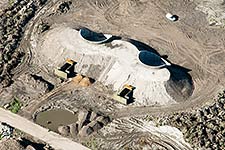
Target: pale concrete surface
55, 140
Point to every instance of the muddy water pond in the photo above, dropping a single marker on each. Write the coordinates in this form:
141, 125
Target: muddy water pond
52, 119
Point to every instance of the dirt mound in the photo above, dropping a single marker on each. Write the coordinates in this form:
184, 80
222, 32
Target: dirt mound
180, 85
108, 65
3, 3
88, 123
92, 36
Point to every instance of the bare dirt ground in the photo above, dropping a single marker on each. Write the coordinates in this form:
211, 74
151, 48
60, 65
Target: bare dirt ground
191, 44
3, 3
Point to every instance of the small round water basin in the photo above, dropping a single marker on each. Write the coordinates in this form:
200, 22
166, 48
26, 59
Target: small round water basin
151, 59
93, 37
52, 119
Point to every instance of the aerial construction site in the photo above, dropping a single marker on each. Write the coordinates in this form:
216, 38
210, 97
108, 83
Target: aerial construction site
112, 74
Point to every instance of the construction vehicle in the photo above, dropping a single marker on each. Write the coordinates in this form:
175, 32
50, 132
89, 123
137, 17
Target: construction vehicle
125, 95
67, 70
171, 17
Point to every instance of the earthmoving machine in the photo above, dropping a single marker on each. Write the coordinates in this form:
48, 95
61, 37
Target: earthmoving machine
125, 95
67, 70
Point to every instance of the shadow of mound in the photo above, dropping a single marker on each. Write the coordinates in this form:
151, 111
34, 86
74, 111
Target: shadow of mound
95, 37
112, 39
180, 85
92, 36
142, 46
151, 59
25, 142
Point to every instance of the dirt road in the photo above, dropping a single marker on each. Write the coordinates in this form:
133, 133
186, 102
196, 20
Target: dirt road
55, 140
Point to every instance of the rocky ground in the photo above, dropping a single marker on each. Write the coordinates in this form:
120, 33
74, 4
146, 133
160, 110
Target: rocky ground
204, 127
214, 9
13, 21
21, 141
88, 123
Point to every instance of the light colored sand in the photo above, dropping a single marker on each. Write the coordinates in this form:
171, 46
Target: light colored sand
120, 64
170, 133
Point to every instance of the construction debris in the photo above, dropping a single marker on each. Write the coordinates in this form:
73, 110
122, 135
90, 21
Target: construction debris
88, 123
5, 130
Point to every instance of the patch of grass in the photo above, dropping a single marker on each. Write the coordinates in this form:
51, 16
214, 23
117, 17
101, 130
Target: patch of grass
18, 133
91, 143
15, 105
11, 2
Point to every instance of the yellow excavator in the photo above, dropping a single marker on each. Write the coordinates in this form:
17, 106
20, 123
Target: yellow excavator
125, 95
67, 70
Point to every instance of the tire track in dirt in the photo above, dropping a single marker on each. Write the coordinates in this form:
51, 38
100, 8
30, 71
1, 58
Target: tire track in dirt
109, 12
191, 55
25, 45
35, 104
168, 141
130, 132
174, 46
177, 50
98, 6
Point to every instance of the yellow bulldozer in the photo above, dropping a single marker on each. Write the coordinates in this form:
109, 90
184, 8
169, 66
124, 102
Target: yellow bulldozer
125, 95
66, 71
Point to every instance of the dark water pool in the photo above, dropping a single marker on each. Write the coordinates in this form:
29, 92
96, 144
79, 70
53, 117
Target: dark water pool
52, 119
150, 59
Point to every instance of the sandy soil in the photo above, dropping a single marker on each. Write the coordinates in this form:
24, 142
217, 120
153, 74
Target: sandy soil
189, 43
130, 132
3, 4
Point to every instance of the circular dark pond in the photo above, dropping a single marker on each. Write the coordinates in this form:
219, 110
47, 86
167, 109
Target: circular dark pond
92, 36
52, 119
151, 59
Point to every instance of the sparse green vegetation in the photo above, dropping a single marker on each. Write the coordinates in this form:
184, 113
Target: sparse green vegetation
91, 143
10, 2
15, 105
